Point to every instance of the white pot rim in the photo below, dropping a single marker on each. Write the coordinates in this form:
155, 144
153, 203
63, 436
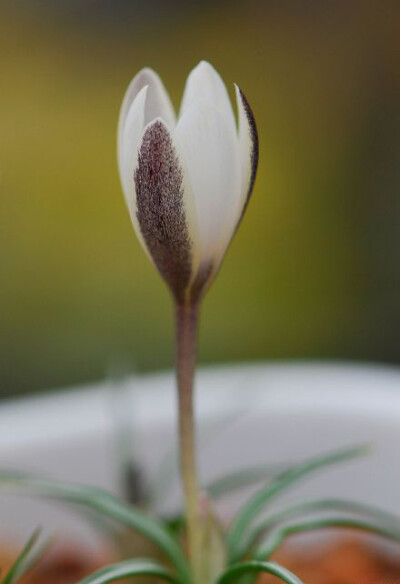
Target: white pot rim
342, 388
276, 412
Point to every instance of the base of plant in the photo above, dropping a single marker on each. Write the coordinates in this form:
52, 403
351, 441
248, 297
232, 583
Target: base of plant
346, 560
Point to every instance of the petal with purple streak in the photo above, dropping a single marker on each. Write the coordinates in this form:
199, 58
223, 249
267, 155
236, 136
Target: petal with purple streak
161, 212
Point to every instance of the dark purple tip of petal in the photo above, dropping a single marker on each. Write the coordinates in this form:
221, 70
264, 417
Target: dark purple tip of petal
254, 151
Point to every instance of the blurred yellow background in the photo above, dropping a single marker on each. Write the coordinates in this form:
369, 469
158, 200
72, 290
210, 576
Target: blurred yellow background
314, 271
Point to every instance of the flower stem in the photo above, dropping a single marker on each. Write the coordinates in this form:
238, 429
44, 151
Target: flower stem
186, 343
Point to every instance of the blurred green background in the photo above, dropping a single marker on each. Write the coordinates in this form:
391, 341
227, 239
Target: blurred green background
314, 271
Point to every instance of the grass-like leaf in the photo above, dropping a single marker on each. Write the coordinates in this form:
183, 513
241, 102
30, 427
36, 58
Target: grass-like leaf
255, 566
241, 479
25, 561
276, 538
304, 508
107, 505
282, 482
129, 568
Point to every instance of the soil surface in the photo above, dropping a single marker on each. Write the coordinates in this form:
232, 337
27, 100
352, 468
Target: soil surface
348, 561
66, 564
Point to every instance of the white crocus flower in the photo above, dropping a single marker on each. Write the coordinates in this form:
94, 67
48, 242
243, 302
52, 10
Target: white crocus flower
186, 181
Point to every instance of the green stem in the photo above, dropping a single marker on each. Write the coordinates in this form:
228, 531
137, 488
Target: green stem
186, 343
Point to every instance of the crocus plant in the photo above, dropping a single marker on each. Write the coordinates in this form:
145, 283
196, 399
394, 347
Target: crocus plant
187, 183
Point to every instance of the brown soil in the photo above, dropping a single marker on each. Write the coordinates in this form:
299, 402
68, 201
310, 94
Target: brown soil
65, 565
346, 562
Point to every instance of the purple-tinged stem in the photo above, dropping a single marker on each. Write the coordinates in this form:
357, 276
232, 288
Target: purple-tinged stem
186, 349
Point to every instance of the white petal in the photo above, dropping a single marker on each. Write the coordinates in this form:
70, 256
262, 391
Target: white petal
158, 103
209, 148
248, 145
129, 142
205, 83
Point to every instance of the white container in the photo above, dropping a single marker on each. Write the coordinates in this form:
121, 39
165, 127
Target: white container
248, 415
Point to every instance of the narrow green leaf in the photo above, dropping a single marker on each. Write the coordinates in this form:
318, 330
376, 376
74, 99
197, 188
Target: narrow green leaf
254, 566
129, 568
299, 509
276, 538
22, 563
282, 482
107, 505
175, 523
241, 479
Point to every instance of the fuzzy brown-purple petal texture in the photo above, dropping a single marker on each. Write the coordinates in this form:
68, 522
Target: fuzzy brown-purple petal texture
160, 208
